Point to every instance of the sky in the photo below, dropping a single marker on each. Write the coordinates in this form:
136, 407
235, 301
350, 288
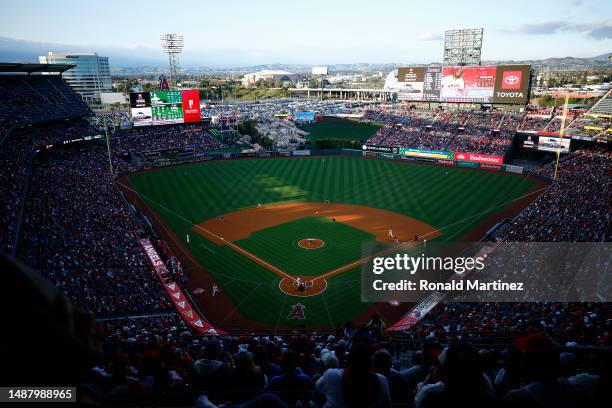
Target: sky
236, 32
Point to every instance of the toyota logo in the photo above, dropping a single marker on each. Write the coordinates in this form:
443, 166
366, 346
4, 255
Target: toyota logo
511, 80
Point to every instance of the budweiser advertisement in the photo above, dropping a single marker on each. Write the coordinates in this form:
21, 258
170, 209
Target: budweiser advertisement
479, 158
191, 105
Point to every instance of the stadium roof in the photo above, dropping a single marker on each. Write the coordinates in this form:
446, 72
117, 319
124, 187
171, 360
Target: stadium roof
30, 68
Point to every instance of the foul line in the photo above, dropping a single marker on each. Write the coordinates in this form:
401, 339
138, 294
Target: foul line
207, 248
238, 305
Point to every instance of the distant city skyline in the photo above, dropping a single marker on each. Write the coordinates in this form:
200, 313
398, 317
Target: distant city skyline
238, 33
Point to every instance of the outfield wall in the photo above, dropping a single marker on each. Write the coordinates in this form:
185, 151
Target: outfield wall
434, 157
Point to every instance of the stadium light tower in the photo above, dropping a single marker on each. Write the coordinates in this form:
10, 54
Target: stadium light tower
462, 47
173, 46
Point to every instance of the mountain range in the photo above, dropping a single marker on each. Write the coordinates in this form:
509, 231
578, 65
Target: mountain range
134, 61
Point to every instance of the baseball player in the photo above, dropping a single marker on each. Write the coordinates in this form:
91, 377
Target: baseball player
215, 289
187, 238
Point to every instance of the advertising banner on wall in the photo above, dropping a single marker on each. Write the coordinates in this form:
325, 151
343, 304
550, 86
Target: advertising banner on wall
479, 158
181, 303
380, 149
426, 154
468, 164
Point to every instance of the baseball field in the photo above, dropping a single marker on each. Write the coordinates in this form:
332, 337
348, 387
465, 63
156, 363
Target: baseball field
252, 227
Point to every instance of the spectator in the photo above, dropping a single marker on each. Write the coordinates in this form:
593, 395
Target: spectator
356, 385
291, 386
382, 363
541, 369
463, 380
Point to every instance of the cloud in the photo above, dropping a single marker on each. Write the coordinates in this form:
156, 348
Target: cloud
430, 37
598, 30
549, 27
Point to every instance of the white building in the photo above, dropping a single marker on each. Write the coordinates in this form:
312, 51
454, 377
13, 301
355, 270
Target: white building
91, 75
269, 75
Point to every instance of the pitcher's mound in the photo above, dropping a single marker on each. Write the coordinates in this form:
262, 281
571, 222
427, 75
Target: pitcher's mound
310, 243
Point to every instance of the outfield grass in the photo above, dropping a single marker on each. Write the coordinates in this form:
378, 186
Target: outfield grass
278, 245
455, 203
340, 129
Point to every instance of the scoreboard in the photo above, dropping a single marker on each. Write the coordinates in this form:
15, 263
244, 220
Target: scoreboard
165, 107
472, 84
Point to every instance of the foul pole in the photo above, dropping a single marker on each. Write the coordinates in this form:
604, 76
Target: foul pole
561, 132
108, 148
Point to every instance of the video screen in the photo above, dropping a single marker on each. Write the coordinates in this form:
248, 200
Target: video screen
552, 144
165, 107
468, 84
474, 84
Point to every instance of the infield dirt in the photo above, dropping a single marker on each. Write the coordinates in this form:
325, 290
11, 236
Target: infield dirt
237, 225
241, 224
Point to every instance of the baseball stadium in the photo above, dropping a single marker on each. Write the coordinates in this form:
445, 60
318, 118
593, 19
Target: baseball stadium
209, 229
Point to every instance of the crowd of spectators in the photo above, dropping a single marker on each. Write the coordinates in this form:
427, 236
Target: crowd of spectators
576, 207
590, 126
462, 131
534, 122
80, 233
360, 368
111, 120
569, 324
39, 98
161, 138
15, 153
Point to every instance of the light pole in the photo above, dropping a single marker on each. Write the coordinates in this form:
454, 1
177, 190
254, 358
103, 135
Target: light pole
108, 147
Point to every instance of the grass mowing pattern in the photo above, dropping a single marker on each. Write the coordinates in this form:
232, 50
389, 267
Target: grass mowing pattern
340, 128
455, 202
278, 245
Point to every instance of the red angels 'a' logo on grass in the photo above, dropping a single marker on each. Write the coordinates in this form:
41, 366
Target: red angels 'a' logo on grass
297, 312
